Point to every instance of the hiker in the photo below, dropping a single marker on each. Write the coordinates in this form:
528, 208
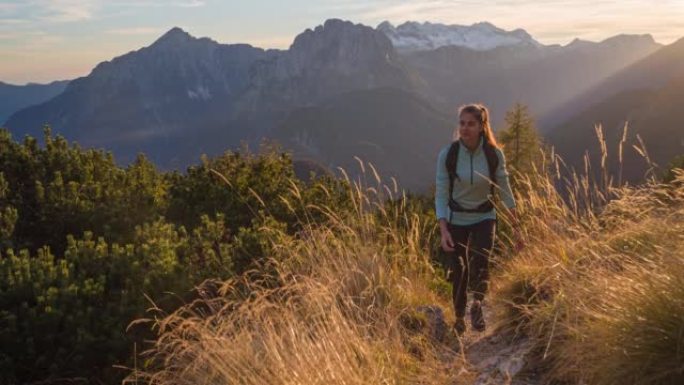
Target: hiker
469, 171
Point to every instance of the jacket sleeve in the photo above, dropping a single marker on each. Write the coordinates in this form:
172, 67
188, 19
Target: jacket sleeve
442, 186
502, 180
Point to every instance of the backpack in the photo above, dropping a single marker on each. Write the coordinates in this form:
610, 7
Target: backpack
452, 163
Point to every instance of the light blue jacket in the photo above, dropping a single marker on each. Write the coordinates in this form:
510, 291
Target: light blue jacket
473, 187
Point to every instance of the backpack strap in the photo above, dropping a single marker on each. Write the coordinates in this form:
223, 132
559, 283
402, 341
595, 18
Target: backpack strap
451, 165
492, 163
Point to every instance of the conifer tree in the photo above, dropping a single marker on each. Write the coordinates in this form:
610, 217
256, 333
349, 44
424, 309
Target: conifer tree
522, 144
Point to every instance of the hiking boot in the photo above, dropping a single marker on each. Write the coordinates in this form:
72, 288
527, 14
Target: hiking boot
476, 317
460, 326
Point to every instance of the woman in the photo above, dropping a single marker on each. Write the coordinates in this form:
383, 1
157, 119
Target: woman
466, 169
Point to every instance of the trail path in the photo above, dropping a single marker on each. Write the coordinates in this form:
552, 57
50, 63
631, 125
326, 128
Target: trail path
491, 359
495, 358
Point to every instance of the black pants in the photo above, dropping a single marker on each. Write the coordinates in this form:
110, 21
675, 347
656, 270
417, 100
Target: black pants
468, 265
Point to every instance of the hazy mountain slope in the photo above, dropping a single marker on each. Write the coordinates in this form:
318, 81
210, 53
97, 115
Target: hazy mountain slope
652, 72
656, 116
15, 98
397, 131
541, 77
333, 58
179, 86
183, 96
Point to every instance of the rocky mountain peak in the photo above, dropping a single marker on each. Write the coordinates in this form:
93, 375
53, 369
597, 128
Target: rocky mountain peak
336, 31
337, 56
174, 37
618, 41
627, 39
415, 36
340, 44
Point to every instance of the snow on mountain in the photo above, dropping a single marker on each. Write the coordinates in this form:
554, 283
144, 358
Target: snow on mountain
413, 36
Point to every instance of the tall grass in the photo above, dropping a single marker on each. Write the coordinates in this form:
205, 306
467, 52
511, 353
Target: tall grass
599, 289
336, 304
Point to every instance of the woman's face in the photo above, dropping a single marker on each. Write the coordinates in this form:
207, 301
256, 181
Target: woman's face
469, 127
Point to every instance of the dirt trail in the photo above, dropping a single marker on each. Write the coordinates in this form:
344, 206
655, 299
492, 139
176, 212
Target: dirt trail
496, 359
489, 359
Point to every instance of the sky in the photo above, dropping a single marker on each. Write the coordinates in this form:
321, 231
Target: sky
46, 40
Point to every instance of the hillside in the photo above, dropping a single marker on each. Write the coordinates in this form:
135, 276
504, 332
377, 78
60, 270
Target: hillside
331, 59
15, 98
183, 96
259, 277
151, 100
544, 78
360, 300
397, 131
654, 113
652, 72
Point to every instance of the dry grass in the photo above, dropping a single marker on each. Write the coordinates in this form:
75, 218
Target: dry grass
599, 288
337, 306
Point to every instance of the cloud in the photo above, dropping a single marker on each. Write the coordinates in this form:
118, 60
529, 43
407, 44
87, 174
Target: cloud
69, 11
28, 42
58, 11
65, 11
191, 4
157, 3
4, 35
136, 31
14, 21
8, 7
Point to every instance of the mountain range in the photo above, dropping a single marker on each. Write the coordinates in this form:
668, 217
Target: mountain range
386, 94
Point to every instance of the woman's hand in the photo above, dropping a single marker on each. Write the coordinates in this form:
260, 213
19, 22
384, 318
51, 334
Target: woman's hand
446, 241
